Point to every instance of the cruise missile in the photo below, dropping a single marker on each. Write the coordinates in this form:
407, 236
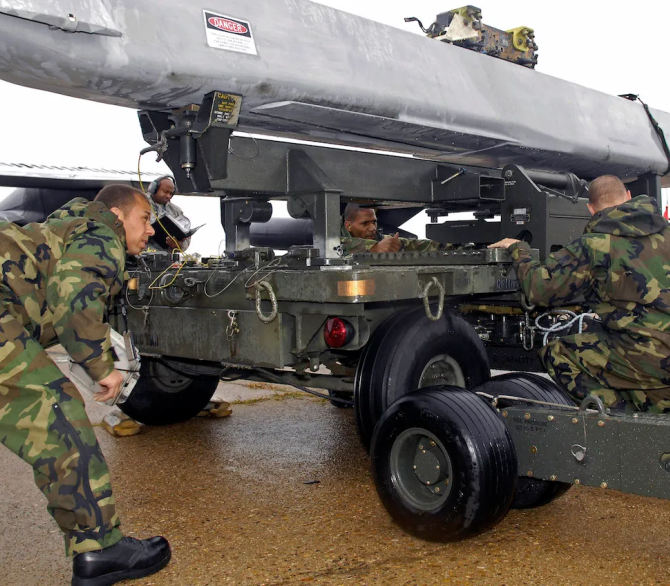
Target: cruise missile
304, 70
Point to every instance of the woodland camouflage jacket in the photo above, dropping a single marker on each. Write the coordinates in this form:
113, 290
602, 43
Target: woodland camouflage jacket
621, 264
58, 276
351, 245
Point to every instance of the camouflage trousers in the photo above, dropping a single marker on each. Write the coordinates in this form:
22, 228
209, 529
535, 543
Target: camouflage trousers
43, 421
592, 364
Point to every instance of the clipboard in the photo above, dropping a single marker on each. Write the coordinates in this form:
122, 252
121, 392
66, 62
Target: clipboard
173, 229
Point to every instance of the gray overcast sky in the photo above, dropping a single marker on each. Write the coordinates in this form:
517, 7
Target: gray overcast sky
613, 46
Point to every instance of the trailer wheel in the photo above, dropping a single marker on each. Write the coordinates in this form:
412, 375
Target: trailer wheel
408, 351
164, 396
530, 492
444, 464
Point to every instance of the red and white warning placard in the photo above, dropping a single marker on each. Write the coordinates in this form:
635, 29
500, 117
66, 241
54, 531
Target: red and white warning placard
228, 33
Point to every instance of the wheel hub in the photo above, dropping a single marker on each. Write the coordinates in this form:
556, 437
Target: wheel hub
168, 380
429, 465
421, 468
442, 370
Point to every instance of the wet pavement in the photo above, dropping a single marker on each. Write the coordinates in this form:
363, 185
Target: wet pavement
236, 498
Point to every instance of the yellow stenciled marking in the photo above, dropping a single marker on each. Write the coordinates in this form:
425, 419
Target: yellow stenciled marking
356, 288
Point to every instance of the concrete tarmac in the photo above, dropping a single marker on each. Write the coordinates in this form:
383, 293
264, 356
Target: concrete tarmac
280, 494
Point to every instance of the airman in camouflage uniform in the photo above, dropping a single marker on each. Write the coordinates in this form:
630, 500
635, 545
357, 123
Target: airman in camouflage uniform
57, 279
159, 195
359, 234
621, 264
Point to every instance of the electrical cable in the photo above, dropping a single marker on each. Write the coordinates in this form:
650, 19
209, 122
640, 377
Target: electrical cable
195, 374
155, 212
204, 290
273, 263
281, 381
148, 304
232, 151
152, 288
561, 326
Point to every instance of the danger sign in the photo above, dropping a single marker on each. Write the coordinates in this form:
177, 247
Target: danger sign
228, 33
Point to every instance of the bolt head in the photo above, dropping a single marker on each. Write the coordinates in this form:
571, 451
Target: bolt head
601, 423
550, 417
577, 481
437, 489
504, 413
437, 467
529, 473
603, 485
575, 420
533, 449
526, 416
432, 443
428, 482
421, 447
552, 477
414, 467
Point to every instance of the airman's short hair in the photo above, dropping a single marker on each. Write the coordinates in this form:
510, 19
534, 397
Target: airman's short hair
606, 191
119, 196
352, 210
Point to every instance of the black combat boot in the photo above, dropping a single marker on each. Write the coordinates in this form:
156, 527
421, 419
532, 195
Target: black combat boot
128, 559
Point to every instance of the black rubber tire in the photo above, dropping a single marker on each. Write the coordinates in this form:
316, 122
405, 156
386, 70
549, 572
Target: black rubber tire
363, 379
477, 459
394, 360
164, 396
530, 492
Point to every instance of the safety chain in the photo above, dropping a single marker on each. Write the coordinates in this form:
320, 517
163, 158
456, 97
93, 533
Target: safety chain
426, 302
231, 332
259, 286
527, 333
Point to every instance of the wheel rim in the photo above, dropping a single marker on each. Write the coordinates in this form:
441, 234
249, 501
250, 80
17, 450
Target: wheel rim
421, 469
442, 370
167, 379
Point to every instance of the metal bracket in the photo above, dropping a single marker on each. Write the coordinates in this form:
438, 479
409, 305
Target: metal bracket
312, 194
237, 214
593, 400
194, 140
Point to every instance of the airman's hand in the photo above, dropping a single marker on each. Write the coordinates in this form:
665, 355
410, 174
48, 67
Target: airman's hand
389, 244
504, 243
181, 244
111, 386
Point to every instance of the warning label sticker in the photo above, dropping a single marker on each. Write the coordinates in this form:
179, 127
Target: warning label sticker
230, 34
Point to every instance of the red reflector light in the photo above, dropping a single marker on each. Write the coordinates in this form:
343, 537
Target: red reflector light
337, 332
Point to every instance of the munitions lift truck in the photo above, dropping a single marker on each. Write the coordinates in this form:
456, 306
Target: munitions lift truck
452, 457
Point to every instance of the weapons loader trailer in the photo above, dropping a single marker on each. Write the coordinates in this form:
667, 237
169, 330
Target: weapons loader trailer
450, 459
